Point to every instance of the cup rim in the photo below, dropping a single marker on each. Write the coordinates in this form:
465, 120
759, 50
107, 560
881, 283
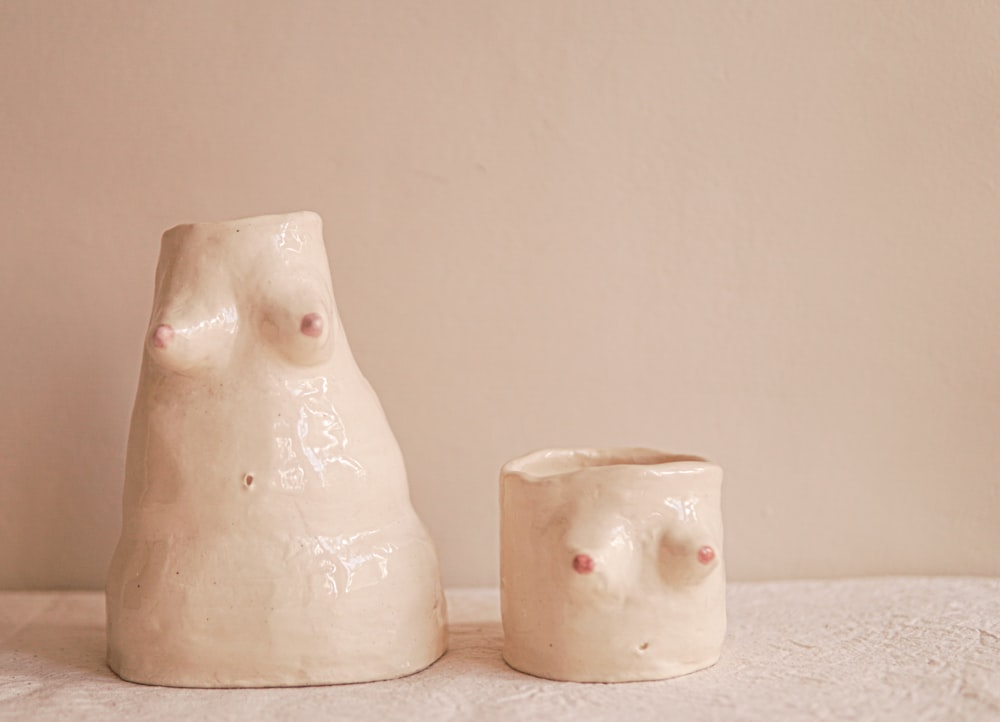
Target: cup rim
552, 463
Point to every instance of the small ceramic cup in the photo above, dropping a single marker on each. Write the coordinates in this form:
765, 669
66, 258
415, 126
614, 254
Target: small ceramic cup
611, 564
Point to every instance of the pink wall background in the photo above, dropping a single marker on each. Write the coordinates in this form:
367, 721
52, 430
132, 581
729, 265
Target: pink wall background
768, 233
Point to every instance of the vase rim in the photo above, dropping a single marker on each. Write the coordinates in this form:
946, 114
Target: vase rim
261, 221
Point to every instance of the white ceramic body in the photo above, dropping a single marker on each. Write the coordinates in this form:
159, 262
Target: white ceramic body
268, 537
611, 564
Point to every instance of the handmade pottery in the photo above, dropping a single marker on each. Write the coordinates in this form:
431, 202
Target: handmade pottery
611, 564
268, 537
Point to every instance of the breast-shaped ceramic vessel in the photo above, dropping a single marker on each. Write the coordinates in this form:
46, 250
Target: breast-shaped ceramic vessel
268, 537
611, 564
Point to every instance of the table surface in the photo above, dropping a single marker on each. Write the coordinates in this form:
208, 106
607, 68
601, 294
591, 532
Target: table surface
881, 649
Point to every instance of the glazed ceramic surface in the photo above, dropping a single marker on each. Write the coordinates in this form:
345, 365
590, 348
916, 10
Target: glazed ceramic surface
611, 564
268, 537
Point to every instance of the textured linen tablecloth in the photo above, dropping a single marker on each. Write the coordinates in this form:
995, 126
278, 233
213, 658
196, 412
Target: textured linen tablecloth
881, 649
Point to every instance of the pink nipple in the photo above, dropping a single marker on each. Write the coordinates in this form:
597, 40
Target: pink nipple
312, 325
163, 334
583, 564
706, 554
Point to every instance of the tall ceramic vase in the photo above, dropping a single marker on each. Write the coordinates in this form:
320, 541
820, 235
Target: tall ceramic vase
268, 537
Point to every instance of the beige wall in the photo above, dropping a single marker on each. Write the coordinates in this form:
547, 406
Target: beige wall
764, 232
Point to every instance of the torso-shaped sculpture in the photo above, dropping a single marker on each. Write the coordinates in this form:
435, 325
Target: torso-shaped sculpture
268, 537
611, 564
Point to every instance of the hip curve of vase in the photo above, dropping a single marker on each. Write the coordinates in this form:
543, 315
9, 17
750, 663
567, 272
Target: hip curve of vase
268, 537
611, 564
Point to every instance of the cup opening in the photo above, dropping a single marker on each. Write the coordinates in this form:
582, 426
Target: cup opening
553, 462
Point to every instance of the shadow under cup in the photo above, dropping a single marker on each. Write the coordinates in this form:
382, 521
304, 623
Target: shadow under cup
611, 564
